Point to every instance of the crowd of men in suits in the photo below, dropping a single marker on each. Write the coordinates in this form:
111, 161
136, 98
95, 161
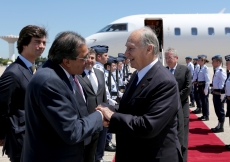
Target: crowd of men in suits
68, 109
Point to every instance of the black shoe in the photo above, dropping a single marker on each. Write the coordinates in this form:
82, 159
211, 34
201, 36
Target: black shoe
191, 105
200, 117
205, 118
110, 147
197, 111
227, 147
217, 130
102, 161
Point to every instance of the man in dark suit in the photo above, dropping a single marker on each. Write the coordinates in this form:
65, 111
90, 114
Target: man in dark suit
93, 82
183, 78
57, 121
13, 82
146, 121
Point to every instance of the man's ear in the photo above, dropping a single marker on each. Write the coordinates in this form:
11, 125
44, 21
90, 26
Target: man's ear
66, 62
150, 48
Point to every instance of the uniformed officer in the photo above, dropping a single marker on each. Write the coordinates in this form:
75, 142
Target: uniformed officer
195, 86
125, 68
110, 78
203, 86
119, 74
218, 81
190, 65
227, 91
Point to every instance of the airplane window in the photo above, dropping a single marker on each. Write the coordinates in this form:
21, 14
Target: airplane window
194, 31
177, 31
114, 28
227, 31
211, 31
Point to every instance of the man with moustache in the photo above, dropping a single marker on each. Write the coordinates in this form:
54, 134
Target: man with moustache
58, 125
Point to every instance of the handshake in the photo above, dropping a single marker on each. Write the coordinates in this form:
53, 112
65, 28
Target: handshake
106, 114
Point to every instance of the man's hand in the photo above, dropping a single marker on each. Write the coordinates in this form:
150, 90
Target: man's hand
206, 92
112, 102
125, 82
105, 122
106, 112
120, 94
222, 97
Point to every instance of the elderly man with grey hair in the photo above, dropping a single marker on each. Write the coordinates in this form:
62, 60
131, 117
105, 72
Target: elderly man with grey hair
146, 120
183, 78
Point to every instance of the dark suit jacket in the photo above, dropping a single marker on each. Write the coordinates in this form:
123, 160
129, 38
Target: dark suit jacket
13, 83
146, 122
93, 100
183, 78
56, 125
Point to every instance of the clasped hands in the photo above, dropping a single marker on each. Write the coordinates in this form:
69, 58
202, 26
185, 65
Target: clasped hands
107, 113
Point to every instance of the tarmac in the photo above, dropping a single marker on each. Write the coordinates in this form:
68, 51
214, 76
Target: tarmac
224, 136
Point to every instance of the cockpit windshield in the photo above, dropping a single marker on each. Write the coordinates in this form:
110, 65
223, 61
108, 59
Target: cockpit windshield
114, 28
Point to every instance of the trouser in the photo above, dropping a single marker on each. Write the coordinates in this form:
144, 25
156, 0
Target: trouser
101, 144
90, 149
197, 96
186, 130
108, 137
219, 108
192, 95
204, 100
15, 159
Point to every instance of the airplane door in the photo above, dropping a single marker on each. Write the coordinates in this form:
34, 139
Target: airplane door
157, 26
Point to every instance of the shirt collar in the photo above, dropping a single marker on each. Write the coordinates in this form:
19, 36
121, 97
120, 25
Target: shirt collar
28, 63
66, 72
143, 71
87, 71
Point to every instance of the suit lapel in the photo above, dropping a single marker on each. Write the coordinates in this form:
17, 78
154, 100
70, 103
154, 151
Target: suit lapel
144, 83
23, 68
177, 71
86, 80
99, 77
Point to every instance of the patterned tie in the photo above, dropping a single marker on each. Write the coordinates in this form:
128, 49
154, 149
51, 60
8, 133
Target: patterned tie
92, 81
172, 70
73, 84
33, 69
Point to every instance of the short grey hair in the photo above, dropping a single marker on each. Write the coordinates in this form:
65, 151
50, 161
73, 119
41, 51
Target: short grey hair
173, 51
149, 37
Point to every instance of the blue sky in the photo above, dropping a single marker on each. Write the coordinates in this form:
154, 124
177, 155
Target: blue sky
87, 17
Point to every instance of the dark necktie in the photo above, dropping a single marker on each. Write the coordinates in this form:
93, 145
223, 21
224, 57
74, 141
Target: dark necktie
33, 69
172, 70
213, 76
133, 85
92, 81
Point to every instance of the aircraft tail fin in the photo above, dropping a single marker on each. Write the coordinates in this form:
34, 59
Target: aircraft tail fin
222, 11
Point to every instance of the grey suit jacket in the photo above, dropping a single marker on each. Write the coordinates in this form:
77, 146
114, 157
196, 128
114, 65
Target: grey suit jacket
93, 100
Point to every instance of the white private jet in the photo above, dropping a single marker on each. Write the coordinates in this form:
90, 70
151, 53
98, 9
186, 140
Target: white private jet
190, 34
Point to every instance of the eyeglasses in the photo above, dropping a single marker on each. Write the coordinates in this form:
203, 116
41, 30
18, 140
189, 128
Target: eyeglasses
83, 58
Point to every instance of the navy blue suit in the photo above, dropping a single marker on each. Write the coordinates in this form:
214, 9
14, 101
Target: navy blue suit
13, 83
146, 121
57, 124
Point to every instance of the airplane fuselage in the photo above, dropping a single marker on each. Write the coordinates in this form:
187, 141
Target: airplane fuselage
190, 34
